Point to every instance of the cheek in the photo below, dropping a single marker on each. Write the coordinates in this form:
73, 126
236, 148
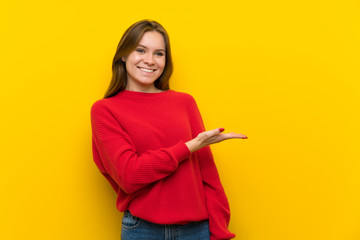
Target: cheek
162, 63
132, 59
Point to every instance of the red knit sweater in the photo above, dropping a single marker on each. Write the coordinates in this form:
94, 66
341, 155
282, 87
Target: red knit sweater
139, 146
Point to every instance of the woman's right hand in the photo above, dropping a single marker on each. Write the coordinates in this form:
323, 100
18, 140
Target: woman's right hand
210, 137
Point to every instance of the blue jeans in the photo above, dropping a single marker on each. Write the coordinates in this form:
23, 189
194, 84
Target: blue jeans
134, 228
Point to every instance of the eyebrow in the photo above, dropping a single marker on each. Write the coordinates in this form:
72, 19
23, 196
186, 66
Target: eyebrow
155, 49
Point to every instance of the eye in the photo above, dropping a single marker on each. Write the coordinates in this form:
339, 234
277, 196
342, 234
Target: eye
160, 54
140, 50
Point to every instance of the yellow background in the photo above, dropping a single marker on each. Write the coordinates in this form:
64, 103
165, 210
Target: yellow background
285, 73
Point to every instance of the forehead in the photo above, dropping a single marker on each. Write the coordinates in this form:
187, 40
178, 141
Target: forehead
152, 40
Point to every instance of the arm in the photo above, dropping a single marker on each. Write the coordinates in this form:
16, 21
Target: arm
216, 200
118, 157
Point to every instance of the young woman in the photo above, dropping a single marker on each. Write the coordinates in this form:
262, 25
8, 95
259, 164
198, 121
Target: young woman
150, 144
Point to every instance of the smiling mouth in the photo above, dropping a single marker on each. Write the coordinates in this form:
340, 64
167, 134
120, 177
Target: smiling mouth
147, 70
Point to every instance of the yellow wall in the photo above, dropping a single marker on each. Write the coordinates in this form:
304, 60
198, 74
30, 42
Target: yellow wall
285, 73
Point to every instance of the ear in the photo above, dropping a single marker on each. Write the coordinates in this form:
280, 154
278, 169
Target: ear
123, 59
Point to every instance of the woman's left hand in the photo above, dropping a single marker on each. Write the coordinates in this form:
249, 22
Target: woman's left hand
210, 137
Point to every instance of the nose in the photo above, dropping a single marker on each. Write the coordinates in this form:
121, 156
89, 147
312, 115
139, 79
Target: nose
149, 59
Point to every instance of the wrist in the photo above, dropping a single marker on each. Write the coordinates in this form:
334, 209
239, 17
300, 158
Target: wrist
193, 145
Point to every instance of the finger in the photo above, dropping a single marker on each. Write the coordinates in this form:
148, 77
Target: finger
235, 135
215, 131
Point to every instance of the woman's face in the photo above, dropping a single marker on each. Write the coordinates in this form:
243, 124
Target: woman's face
146, 63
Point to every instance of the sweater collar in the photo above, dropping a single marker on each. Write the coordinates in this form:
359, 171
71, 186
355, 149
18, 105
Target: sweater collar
142, 95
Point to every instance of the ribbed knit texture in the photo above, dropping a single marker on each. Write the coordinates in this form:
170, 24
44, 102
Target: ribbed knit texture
139, 146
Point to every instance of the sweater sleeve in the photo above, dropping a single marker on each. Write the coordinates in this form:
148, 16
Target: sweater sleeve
117, 159
216, 200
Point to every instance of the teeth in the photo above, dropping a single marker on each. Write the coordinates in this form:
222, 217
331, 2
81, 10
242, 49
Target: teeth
146, 70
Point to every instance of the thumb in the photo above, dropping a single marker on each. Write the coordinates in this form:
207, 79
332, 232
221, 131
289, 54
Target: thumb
211, 133
216, 131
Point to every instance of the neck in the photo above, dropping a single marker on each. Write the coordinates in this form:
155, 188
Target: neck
146, 89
